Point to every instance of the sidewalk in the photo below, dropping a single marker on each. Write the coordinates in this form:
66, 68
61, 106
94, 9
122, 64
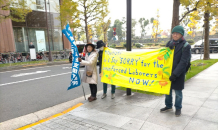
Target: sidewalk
142, 112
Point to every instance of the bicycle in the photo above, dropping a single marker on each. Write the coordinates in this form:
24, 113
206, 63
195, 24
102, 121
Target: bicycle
3, 58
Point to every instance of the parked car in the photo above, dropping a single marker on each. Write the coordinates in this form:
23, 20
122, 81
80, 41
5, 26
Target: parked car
198, 47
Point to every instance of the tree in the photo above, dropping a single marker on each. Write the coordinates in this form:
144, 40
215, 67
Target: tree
143, 23
69, 13
91, 11
187, 3
156, 29
17, 10
210, 10
134, 22
104, 24
193, 24
215, 27
118, 25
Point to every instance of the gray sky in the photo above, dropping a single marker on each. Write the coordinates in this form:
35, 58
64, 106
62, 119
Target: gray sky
143, 8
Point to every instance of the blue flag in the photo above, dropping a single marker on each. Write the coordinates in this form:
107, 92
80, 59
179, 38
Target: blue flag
75, 79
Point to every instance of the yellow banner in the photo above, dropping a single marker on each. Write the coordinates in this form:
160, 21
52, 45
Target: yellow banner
147, 71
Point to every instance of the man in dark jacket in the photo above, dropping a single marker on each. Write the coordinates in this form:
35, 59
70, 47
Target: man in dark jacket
181, 59
100, 46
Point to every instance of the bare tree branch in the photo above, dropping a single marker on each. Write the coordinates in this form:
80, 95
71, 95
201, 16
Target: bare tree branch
189, 11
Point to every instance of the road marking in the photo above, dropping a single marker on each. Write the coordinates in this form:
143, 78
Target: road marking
52, 117
32, 68
35, 78
66, 67
31, 73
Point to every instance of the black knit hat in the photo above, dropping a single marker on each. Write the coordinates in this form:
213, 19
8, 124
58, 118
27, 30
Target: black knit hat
90, 44
100, 44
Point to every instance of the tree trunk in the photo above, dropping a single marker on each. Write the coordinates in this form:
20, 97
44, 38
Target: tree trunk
206, 36
175, 19
86, 29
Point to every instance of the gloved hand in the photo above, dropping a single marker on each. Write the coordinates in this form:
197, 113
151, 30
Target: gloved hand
79, 59
171, 46
173, 77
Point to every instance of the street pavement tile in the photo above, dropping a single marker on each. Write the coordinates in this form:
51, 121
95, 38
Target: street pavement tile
214, 97
147, 103
93, 123
52, 125
143, 115
83, 128
196, 88
215, 91
70, 117
125, 110
133, 124
168, 119
193, 101
212, 104
84, 113
195, 94
110, 119
151, 126
109, 127
207, 114
197, 124
189, 110
29, 129
72, 125
196, 82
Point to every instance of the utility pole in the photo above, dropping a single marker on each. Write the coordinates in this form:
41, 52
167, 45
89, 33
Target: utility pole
129, 30
49, 54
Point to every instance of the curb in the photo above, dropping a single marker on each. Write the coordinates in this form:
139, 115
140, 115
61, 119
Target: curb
2, 69
41, 116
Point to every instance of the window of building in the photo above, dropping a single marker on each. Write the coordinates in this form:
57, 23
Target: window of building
40, 5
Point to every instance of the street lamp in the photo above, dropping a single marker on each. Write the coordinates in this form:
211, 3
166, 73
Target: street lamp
128, 36
49, 55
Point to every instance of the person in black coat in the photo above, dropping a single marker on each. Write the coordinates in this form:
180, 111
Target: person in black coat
31, 45
180, 61
100, 46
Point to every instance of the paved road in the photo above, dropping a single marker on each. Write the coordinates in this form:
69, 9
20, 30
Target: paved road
30, 90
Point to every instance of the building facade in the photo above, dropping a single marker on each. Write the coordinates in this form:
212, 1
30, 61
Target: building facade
16, 36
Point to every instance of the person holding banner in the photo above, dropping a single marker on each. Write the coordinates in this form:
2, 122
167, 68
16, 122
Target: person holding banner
181, 59
100, 46
90, 73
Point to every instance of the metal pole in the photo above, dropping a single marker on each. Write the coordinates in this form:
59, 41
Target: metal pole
129, 29
82, 86
49, 55
51, 26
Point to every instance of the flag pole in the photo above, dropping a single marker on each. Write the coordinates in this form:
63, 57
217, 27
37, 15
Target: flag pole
82, 86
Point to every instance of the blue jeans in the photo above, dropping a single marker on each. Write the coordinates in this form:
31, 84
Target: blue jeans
178, 101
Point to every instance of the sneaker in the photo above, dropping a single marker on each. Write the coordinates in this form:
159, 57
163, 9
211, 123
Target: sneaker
103, 96
112, 95
165, 109
178, 112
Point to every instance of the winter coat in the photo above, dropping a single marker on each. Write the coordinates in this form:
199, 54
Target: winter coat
180, 61
90, 63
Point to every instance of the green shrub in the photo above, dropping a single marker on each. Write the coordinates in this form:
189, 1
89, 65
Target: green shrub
138, 45
113, 46
190, 41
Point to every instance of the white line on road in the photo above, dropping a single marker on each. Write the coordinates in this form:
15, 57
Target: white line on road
31, 73
35, 79
33, 68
